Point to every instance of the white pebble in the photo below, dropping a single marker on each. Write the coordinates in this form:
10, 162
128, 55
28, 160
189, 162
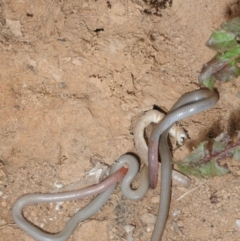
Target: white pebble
150, 228
129, 232
176, 213
58, 185
238, 223
58, 205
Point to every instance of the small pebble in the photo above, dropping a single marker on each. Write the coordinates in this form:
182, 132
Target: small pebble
111, 236
114, 230
129, 232
150, 228
176, 213
62, 85
148, 218
155, 199
2, 222
180, 223
238, 224
4, 203
59, 205
58, 185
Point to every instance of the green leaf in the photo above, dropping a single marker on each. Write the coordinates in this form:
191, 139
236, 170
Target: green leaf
207, 75
212, 169
222, 41
209, 83
208, 169
236, 153
198, 154
204, 162
220, 143
230, 55
223, 66
219, 68
189, 170
232, 25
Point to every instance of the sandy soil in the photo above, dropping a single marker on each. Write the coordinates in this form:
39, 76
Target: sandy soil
75, 76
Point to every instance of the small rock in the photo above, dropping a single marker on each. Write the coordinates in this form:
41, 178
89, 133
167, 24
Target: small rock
2, 222
148, 218
238, 224
150, 228
57, 184
176, 213
155, 199
180, 223
128, 232
4, 203
14, 26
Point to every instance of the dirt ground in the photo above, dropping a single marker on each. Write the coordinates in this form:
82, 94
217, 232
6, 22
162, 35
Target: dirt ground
75, 76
